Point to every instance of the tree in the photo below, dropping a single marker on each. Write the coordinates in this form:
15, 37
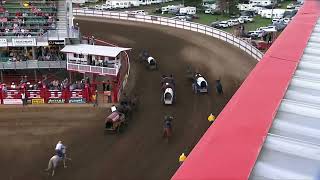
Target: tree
192, 2
228, 6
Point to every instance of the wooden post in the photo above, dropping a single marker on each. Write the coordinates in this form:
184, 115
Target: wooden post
35, 75
1, 74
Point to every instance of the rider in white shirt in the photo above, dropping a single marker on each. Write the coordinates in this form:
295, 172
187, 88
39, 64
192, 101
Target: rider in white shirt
60, 149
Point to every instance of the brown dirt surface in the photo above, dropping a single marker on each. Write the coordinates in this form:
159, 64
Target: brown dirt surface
28, 135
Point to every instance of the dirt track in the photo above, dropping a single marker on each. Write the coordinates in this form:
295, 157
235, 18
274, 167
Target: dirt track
28, 138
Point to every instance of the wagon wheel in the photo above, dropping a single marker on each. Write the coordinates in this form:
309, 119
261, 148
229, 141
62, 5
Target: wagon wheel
118, 128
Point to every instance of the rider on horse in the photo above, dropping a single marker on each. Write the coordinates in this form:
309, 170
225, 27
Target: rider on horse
60, 149
167, 122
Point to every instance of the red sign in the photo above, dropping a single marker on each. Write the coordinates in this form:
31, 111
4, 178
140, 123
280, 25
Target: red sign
12, 94
55, 94
34, 94
76, 94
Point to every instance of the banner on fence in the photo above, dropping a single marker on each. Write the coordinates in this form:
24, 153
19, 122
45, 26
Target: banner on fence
12, 101
77, 100
56, 101
37, 101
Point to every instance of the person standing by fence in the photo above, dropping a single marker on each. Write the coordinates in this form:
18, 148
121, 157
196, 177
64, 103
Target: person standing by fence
24, 99
95, 98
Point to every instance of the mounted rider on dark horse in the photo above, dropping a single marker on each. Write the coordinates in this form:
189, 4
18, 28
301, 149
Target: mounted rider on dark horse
167, 129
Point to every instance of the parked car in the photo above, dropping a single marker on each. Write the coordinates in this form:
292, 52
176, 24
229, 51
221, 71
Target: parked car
275, 20
193, 16
106, 7
224, 24
215, 24
290, 6
208, 11
240, 20
98, 7
233, 22
247, 19
254, 34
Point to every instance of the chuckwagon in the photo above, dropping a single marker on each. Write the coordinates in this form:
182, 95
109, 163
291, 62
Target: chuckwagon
168, 96
115, 121
121, 114
150, 62
199, 85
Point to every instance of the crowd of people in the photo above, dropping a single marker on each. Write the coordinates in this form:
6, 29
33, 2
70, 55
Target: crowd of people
49, 84
18, 54
28, 19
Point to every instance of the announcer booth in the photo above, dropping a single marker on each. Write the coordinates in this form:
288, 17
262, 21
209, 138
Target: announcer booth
98, 61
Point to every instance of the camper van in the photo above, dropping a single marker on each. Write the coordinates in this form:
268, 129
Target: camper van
188, 10
263, 3
121, 4
275, 13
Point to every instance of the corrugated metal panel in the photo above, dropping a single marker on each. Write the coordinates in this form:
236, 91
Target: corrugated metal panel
292, 147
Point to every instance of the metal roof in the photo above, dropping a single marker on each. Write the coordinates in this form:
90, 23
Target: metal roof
292, 147
108, 51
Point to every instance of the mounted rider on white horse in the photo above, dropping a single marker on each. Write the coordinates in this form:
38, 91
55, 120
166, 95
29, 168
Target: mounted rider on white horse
60, 150
60, 155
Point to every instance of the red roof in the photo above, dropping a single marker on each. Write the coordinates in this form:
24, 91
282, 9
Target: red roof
230, 147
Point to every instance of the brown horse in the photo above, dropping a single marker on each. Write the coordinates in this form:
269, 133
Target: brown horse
167, 133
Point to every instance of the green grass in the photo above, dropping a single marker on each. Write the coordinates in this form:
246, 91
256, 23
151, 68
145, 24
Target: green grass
207, 19
258, 22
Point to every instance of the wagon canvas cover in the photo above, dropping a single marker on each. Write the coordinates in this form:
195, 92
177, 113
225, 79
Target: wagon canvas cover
113, 117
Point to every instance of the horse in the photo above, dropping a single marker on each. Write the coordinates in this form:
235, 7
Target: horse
54, 162
167, 128
167, 133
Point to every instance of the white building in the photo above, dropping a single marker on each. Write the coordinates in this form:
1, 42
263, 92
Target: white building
129, 3
188, 10
272, 13
262, 2
83, 1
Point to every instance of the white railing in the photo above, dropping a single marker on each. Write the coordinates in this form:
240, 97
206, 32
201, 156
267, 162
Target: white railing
93, 69
204, 29
33, 64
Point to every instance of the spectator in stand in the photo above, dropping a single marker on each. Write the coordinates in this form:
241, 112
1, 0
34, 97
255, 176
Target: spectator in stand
13, 85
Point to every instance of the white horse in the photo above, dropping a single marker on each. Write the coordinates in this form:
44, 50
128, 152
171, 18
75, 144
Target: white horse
54, 162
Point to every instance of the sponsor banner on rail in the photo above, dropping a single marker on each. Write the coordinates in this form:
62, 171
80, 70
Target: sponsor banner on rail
12, 101
77, 100
56, 101
3, 42
37, 101
58, 42
24, 42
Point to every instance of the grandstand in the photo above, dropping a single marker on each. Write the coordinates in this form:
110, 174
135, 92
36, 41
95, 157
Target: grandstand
32, 33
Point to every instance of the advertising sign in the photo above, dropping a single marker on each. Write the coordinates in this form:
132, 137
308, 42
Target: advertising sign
58, 42
56, 101
24, 42
77, 100
37, 101
12, 101
3, 42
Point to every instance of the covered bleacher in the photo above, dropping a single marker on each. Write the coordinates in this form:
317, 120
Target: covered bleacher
27, 18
